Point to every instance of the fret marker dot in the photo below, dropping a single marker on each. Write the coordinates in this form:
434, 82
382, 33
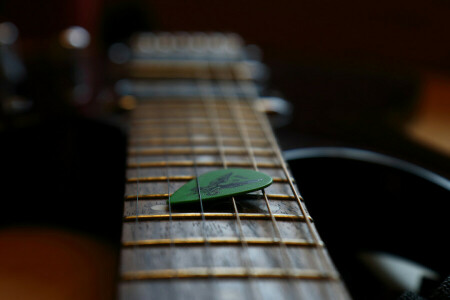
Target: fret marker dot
159, 207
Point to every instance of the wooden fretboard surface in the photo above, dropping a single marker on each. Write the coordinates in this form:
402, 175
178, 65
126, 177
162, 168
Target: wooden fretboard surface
258, 246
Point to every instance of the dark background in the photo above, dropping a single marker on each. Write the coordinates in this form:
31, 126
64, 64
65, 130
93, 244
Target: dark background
356, 72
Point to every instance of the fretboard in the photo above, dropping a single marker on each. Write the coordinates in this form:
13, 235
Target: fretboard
261, 245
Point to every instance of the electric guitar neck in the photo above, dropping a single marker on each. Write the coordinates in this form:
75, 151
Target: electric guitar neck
194, 109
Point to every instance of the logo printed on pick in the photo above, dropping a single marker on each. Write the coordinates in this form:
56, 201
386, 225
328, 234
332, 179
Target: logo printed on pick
221, 183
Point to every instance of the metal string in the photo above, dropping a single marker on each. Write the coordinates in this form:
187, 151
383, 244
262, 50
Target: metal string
208, 97
169, 204
323, 263
287, 261
234, 107
136, 213
206, 249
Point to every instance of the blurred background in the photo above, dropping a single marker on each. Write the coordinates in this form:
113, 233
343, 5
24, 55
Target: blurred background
376, 64
372, 75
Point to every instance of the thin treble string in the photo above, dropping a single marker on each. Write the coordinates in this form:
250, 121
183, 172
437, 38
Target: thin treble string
323, 263
238, 119
166, 134
136, 213
287, 261
299, 198
245, 137
208, 97
206, 249
169, 204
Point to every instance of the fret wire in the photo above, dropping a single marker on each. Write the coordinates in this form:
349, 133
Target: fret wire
201, 151
215, 216
176, 105
156, 121
219, 241
324, 262
150, 110
181, 125
157, 132
199, 164
183, 141
164, 196
178, 102
149, 117
173, 114
218, 136
287, 261
169, 70
229, 272
160, 178
184, 178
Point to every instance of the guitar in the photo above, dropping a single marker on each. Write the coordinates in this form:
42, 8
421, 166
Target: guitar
186, 117
194, 109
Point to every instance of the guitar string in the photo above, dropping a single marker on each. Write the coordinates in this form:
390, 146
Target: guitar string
280, 159
171, 247
245, 138
204, 96
136, 256
207, 249
286, 262
137, 198
140, 259
323, 263
247, 261
172, 290
210, 101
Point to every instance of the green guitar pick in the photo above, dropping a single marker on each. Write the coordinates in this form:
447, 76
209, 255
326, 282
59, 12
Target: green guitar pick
221, 183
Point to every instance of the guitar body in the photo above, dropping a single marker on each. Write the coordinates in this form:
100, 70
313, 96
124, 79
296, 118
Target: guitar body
47, 263
399, 209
